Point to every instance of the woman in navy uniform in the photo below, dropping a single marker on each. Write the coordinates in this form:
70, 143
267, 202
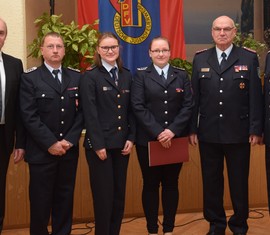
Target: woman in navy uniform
110, 133
162, 103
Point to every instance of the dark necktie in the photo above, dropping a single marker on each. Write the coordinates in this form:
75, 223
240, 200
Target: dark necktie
223, 61
114, 76
0, 98
163, 76
55, 72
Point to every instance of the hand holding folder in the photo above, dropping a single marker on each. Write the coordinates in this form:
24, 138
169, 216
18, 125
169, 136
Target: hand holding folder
178, 152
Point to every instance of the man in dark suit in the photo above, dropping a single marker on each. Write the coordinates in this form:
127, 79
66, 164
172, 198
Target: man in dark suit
227, 118
267, 121
50, 113
10, 124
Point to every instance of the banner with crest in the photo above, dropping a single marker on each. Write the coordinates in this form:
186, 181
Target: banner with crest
136, 22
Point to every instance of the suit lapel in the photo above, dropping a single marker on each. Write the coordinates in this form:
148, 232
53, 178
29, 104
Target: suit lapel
153, 74
233, 57
48, 78
8, 68
213, 60
65, 79
171, 76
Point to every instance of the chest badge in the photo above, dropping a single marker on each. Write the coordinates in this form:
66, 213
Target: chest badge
242, 85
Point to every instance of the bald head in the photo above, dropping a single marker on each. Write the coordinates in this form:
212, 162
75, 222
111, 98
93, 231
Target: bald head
3, 33
223, 32
224, 18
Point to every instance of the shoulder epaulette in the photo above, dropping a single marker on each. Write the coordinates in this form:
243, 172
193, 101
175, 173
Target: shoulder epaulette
126, 68
178, 68
268, 52
73, 69
200, 51
30, 69
142, 68
91, 68
248, 49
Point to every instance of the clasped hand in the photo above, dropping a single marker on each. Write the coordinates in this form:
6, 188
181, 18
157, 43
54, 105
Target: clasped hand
59, 148
165, 138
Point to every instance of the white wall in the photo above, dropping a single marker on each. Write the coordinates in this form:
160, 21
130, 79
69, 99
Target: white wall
13, 12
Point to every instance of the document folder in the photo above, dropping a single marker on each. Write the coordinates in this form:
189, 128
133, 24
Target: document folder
178, 152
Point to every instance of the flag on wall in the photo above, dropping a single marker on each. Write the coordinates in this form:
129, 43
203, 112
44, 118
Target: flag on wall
136, 22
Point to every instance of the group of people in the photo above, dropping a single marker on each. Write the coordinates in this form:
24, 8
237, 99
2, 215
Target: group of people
220, 109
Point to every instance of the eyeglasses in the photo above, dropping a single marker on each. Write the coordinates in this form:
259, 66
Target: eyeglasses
225, 30
165, 51
51, 47
107, 48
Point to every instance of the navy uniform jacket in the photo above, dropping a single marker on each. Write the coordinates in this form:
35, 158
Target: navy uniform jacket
228, 103
13, 70
267, 100
108, 116
158, 105
50, 114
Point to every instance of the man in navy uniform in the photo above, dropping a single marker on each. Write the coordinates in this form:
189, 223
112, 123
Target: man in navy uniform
50, 112
10, 124
267, 121
227, 119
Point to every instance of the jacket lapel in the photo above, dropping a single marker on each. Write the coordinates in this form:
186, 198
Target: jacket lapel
48, 78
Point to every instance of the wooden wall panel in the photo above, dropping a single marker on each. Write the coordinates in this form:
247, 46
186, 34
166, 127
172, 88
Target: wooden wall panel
190, 187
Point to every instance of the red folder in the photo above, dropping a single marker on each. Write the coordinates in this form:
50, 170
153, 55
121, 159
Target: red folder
178, 152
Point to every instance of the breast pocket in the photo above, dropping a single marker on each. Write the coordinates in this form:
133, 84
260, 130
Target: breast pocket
45, 101
241, 80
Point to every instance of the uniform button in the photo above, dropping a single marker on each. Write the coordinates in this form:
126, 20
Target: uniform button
202, 76
220, 103
221, 79
166, 123
43, 95
61, 134
165, 102
220, 91
119, 117
118, 96
220, 115
269, 80
119, 106
62, 97
62, 110
62, 122
242, 76
166, 112
165, 91
119, 128
76, 95
269, 93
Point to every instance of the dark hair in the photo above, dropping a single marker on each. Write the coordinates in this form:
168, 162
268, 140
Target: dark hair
53, 34
97, 58
159, 38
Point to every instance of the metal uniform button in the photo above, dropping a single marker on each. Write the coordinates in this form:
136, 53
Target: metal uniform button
221, 79
76, 95
61, 134
119, 128
221, 115
166, 112
62, 97
166, 123
119, 106
165, 102
62, 110
220, 103
43, 95
165, 91
62, 122
119, 117
118, 96
220, 91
